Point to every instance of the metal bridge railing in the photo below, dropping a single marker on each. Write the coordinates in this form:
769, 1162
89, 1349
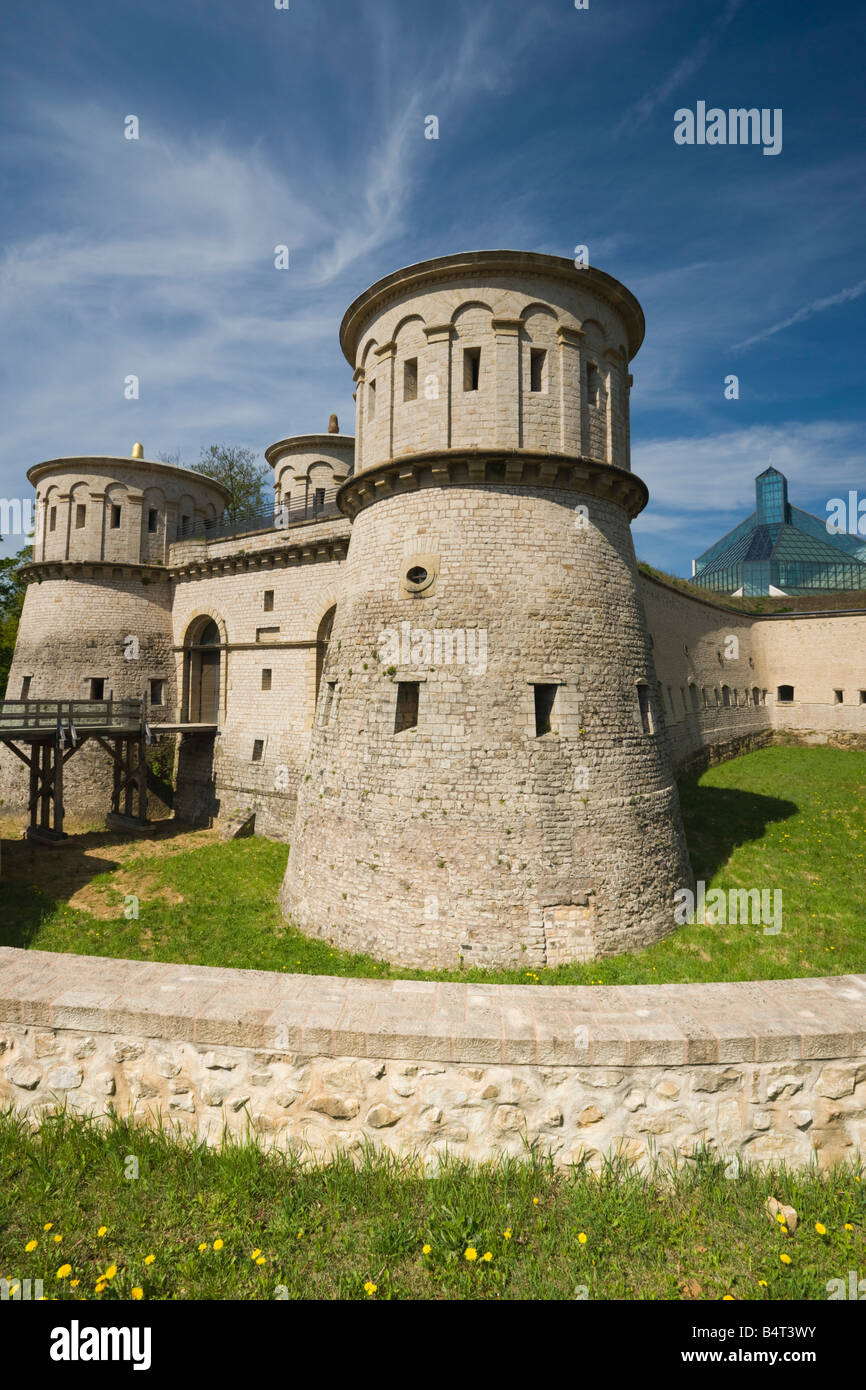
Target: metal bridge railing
319, 506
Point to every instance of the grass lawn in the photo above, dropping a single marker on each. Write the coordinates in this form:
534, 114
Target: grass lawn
781, 818
240, 1223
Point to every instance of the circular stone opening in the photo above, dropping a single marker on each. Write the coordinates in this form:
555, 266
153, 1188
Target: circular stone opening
416, 575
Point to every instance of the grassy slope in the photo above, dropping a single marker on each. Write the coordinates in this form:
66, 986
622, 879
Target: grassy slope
788, 818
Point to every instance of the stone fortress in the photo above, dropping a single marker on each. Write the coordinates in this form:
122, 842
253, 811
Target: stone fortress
453, 692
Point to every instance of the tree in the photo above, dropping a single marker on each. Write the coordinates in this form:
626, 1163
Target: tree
11, 602
238, 470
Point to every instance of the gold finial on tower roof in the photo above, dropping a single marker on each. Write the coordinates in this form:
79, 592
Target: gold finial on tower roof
333, 425
137, 451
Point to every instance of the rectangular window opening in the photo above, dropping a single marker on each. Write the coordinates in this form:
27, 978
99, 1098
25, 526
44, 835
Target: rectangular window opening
268, 604
115, 517
267, 675
25, 687
545, 698
471, 368
410, 379
152, 520
785, 694
537, 359
329, 702
371, 401
863, 697
258, 750
592, 384
157, 688
646, 714
406, 713
184, 526
97, 687
838, 697
52, 519
80, 515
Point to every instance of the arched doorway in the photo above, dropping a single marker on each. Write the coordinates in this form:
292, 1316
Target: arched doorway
202, 658
323, 637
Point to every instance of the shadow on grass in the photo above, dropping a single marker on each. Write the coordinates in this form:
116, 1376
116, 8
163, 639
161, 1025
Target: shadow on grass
718, 819
39, 879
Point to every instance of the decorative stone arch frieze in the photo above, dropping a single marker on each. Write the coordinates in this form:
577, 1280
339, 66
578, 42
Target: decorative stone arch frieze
413, 319
465, 306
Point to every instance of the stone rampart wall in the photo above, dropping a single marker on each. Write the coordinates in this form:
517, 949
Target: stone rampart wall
768, 1071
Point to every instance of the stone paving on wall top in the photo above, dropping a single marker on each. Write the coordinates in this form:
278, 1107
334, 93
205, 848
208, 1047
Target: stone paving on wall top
625, 1025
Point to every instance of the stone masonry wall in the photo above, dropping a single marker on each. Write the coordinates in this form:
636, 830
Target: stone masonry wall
222, 777
470, 834
73, 630
774, 1070
408, 346
719, 672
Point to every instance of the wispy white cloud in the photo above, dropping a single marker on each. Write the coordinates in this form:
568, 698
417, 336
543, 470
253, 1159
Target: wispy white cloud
693, 61
808, 311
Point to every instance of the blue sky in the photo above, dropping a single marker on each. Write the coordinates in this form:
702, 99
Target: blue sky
306, 127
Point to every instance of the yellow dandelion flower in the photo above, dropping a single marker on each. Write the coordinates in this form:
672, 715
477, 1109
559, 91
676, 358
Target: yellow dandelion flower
73, 1283
57, 1240
255, 1254
100, 1286
31, 1246
48, 1225
137, 1292
425, 1249
370, 1288
110, 1272
202, 1247
102, 1231
786, 1259
63, 1272
218, 1244
487, 1256
507, 1233
763, 1283
260, 1260
780, 1218
822, 1230
582, 1238
728, 1298
848, 1227
535, 1201
149, 1259
470, 1253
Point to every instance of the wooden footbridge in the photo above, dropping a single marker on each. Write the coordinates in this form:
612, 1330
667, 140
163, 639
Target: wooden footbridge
45, 734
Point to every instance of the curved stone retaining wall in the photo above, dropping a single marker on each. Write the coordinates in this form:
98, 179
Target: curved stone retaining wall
770, 1070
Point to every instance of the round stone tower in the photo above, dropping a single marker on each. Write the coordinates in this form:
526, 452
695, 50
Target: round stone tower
489, 778
307, 470
96, 620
